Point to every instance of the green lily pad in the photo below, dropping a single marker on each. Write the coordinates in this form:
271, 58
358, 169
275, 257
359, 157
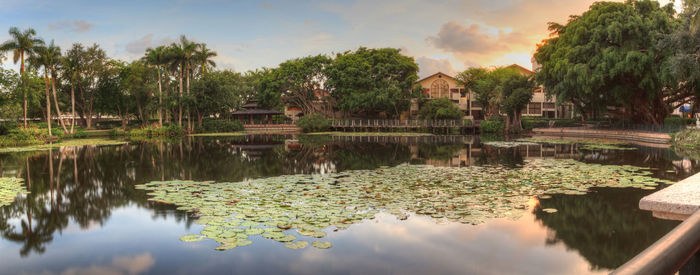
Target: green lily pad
321, 245
192, 238
307, 205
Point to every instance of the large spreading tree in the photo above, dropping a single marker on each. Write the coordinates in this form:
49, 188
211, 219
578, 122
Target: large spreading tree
611, 56
502, 90
373, 81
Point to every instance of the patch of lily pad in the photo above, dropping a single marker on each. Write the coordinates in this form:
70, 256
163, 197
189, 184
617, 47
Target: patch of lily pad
292, 209
586, 144
9, 189
65, 143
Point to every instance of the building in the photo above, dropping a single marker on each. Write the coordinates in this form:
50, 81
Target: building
251, 114
441, 85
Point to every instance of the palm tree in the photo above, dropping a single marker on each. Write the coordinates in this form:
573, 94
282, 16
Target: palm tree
42, 58
204, 56
70, 66
22, 44
189, 49
175, 57
157, 58
53, 58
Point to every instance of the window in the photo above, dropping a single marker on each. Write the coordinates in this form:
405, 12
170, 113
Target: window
549, 105
439, 89
534, 109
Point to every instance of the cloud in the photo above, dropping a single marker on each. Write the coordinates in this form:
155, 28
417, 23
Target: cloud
456, 38
266, 5
429, 66
124, 265
71, 26
139, 46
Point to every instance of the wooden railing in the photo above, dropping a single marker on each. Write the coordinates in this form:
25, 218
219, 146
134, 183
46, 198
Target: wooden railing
395, 123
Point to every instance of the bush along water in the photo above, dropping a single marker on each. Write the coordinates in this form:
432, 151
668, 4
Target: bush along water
149, 131
221, 126
494, 124
30, 135
313, 123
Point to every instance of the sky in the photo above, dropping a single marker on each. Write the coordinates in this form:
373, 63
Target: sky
442, 35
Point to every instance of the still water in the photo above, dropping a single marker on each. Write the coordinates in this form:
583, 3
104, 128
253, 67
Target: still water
84, 215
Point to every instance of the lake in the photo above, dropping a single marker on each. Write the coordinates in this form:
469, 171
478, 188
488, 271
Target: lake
85, 213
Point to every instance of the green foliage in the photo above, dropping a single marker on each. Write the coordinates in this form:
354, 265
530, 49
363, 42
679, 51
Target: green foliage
610, 56
494, 124
677, 122
221, 126
219, 92
294, 83
21, 136
313, 123
373, 81
441, 108
689, 138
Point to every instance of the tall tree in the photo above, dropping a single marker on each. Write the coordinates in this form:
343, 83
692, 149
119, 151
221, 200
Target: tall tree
22, 44
157, 57
610, 56
92, 65
70, 70
296, 82
203, 57
373, 81
176, 64
43, 58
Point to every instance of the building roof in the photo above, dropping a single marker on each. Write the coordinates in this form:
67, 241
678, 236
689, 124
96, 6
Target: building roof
257, 112
521, 68
438, 73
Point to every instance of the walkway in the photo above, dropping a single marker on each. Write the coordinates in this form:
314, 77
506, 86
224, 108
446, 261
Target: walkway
676, 202
649, 137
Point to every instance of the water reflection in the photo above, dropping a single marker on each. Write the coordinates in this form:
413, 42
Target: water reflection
77, 190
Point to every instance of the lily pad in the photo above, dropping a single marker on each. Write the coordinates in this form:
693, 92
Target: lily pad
192, 238
278, 208
321, 245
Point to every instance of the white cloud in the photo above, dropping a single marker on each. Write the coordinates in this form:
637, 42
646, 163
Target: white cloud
139, 46
71, 26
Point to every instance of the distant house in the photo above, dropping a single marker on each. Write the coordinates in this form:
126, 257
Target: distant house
251, 114
441, 85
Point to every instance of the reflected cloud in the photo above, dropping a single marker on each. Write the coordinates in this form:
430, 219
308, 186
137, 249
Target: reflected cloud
121, 265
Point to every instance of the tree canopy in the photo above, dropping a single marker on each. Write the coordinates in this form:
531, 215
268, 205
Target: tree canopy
373, 81
610, 56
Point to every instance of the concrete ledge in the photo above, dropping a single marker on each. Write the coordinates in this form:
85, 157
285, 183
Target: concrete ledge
676, 202
659, 138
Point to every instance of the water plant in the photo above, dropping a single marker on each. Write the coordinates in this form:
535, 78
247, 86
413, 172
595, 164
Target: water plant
293, 207
9, 188
65, 143
587, 144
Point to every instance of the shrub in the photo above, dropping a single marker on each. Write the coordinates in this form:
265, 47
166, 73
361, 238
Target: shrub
20, 136
79, 133
494, 124
221, 126
5, 127
674, 122
150, 131
117, 132
441, 108
313, 123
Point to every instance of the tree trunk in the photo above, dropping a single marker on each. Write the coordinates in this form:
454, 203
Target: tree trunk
72, 106
189, 115
24, 93
160, 101
179, 115
55, 100
48, 103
